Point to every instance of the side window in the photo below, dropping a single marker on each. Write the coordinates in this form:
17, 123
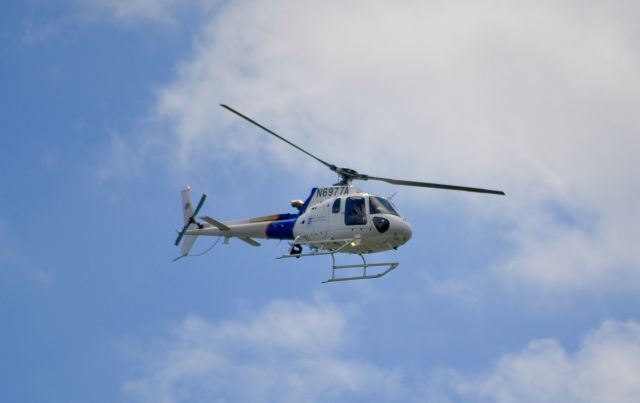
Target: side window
336, 206
354, 211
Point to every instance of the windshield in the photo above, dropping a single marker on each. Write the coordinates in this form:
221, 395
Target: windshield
378, 205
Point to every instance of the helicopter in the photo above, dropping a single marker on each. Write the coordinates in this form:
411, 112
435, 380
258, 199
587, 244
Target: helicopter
333, 219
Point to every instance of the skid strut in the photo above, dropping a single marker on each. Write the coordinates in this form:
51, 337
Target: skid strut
345, 242
364, 266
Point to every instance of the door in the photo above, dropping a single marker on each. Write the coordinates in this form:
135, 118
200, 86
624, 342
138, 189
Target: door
356, 219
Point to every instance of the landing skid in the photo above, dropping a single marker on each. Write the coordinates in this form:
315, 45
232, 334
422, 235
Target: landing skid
364, 266
296, 252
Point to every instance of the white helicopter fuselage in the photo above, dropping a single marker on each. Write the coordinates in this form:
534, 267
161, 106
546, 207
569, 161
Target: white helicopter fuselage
339, 219
338, 214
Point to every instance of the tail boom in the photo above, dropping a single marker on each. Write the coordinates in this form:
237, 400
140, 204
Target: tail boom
277, 226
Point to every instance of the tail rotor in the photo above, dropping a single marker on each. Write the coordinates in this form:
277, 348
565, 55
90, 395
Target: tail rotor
189, 215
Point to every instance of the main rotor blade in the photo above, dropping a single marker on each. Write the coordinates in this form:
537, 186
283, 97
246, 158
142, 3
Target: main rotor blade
433, 185
331, 166
347, 174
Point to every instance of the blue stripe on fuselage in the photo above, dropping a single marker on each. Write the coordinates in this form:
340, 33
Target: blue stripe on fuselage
281, 229
306, 202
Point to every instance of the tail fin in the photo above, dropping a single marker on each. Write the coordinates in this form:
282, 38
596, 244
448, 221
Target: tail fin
187, 206
188, 215
186, 246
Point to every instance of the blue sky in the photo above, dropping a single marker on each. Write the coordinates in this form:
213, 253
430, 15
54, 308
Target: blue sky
110, 107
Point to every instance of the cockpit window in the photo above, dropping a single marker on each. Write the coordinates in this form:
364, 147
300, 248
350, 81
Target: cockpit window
378, 205
336, 206
355, 212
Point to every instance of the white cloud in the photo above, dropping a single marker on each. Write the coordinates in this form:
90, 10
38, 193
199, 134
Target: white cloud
606, 368
299, 351
561, 256
535, 97
132, 11
167, 15
288, 352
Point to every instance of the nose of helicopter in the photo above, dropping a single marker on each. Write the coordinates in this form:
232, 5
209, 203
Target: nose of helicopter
404, 229
401, 229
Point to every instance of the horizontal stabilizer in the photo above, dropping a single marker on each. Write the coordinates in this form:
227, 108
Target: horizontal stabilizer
250, 241
216, 223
